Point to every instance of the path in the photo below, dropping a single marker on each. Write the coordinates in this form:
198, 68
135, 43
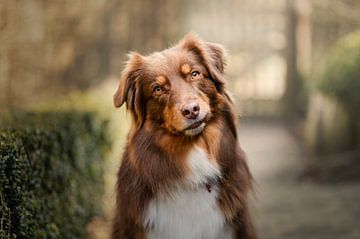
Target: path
286, 207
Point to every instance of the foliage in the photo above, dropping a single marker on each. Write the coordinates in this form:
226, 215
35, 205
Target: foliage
341, 76
50, 173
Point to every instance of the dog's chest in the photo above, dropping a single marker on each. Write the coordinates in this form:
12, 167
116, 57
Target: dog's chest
189, 210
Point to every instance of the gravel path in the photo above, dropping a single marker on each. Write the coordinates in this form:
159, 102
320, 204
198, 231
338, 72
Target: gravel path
285, 207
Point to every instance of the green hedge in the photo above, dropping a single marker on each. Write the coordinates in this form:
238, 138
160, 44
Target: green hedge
341, 76
50, 173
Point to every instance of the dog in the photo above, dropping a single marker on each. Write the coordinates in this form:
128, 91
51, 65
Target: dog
183, 174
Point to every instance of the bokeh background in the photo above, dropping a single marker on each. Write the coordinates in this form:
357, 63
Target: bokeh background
293, 67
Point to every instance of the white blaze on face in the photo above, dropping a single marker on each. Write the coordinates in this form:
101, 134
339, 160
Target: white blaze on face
189, 210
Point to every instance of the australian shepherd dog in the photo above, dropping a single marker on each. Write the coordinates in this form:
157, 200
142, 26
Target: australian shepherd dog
183, 174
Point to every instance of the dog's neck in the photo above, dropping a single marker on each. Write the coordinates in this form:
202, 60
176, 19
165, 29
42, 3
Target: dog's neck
162, 158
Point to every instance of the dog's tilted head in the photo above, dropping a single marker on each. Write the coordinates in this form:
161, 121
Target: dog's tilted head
176, 90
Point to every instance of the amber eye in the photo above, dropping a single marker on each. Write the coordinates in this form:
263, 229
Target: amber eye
157, 89
195, 74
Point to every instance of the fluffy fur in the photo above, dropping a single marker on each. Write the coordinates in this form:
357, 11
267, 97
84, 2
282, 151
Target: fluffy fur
188, 209
183, 173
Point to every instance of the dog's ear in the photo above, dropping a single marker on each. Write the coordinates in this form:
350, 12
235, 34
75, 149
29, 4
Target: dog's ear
129, 88
211, 54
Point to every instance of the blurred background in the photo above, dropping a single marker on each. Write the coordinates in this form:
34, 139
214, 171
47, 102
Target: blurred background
293, 67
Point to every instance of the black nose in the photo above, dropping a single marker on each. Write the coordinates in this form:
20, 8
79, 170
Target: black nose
191, 110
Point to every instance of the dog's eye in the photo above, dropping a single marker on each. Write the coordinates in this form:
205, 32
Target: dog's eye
157, 89
195, 74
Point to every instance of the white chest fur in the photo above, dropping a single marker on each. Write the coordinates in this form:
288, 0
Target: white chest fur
189, 210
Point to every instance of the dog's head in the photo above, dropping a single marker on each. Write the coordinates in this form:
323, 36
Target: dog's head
176, 89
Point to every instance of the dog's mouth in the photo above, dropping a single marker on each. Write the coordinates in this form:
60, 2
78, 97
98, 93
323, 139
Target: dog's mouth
195, 128
195, 125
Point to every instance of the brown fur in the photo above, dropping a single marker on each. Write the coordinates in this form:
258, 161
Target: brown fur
156, 147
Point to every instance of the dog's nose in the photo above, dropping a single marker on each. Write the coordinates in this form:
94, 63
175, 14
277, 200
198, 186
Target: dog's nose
191, 110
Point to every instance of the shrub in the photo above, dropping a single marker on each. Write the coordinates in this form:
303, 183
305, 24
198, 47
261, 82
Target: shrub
333, 125
341, 76
50, 173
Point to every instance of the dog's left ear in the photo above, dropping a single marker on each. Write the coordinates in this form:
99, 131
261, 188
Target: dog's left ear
211, 54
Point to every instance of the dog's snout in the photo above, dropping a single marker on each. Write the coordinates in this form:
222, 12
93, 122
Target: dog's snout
190, 110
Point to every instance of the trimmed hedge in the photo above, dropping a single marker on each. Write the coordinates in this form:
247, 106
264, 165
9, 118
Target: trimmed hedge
51, 173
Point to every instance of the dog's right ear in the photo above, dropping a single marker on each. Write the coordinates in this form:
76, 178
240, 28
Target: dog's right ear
127, 86
129, 89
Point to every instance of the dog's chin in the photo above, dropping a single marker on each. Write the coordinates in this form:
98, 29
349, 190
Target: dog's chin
196, 130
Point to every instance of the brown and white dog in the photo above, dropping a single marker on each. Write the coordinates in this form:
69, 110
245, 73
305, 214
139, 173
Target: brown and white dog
183, 174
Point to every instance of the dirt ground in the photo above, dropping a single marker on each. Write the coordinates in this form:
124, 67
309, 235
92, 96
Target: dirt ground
283, 205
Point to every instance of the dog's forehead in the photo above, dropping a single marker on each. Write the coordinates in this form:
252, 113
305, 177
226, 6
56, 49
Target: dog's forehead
169, 61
